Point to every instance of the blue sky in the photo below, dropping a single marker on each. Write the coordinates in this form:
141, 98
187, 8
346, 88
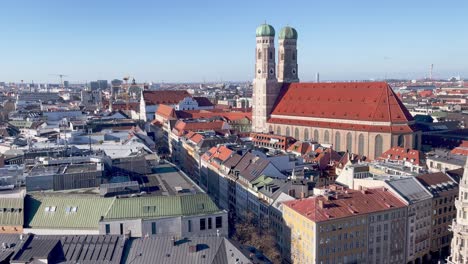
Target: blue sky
178, 41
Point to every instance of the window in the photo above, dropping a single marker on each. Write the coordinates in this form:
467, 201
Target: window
259, 55
153, 228
361, 144
316, 135
378, 146
190, 225
293, 56
282, 56
270, 56
296, 133
107, 229
278, 130
349, 142
270, 129
121, 228
337, 141
306, 134
219, 222
202, 224
326, 137
210, 224
288, 132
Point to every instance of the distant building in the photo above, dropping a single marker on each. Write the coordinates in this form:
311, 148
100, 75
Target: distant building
180, 100
98, 85
91, 98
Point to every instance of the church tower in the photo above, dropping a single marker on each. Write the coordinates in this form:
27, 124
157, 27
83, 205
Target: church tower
265, 84
287, 56
459, 247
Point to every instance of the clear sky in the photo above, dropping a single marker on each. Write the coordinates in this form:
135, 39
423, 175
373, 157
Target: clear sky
196, 40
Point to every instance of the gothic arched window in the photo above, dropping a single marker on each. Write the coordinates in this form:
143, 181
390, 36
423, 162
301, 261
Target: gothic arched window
361, 144
270, 55
296, 133
270, 129
378, 146
306, 134
278, 130
282, 56
259, 54
349, 142
316, 135
326, 137
288, 132
337, 141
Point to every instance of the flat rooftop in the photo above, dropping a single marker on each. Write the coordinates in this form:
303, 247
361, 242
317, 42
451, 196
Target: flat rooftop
168, 180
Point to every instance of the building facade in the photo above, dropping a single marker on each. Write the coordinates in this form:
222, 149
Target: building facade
362, 118
459, 249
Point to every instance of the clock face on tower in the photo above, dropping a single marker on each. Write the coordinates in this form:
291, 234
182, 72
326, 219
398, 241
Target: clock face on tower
294, 71
272, 71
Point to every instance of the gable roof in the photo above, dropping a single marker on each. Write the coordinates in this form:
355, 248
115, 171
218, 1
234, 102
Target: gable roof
89, 210
161, 206
206, 250
348, 203
166, 111
164, 97
402, 154
11, 211
361, 101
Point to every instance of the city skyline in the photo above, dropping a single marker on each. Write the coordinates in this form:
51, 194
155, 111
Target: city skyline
209, 40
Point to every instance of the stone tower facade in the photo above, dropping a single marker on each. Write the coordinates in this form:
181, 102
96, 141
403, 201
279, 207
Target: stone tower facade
266, 85
459, 247
287, 56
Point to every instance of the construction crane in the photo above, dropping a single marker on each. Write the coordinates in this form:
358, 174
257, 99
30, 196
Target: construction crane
61, 77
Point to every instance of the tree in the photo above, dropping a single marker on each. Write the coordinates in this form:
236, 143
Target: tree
249, 231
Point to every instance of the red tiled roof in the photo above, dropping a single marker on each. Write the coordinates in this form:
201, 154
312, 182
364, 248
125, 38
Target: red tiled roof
462, 149
434, 178
166, 111
365, 101
195, 137
231, 115
182, 126
220, 152
164, 97
357, 127
348, 203
301, 147
399, 153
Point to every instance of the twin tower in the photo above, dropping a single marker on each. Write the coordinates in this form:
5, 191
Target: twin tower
269, 79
